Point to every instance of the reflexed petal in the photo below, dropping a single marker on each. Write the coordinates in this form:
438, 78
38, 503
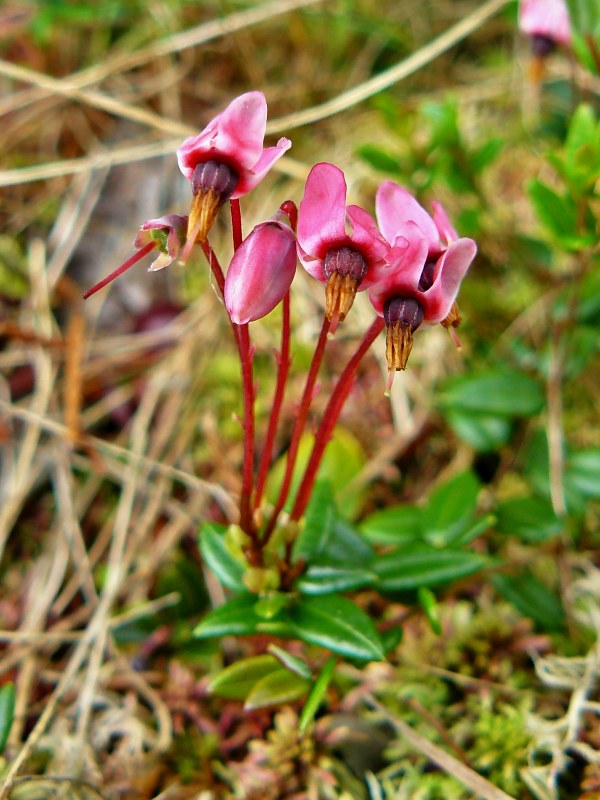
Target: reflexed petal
449, 272
366, 235
395, 206
445, 229
401, 276
322, 214
545, 18
251, 178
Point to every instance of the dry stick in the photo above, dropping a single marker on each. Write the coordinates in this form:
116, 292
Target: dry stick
556, 460
283, 368
451, 765
171, 44
330, 417
398, 72
301, 417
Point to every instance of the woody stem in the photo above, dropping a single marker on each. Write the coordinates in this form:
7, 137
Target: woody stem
330, 417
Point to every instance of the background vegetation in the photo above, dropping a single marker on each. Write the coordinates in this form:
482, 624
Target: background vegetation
118, 429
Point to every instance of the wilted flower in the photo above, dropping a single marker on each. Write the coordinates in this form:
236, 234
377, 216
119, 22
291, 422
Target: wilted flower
339, 245
547, 22
227, 159
166, 234
261, 271
426, 264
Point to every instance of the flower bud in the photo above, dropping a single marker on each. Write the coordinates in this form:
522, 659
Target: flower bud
261, 271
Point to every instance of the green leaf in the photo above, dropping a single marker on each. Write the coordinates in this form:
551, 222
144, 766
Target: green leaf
280, 686
409, 568
291, 662
532, 599
218, 558
397, 525
325, 579
483, 432
583, 472
531, 519
235, 681
317, 695
235, 617
585, 16
558, 213
484, 155
320, 517
498, 391
450, 509
7, 712
343, 547
337, 624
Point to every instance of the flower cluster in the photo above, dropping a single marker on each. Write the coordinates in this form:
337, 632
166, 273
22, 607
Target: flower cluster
410, 263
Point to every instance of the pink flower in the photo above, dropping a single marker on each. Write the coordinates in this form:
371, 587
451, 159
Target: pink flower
227, 159
166, 234
426, 264
261, 271
338, 245
545, 19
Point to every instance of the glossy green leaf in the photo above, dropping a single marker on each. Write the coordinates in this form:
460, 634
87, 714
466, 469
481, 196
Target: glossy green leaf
344, 546
532, 598
409, 568
317, 695
319, 519
280, 686
397, 525
483, 432
291, 662
236, 681
496, 392
325, 579
7, 712
583, 472
337, 624
218, 558
531, 519
235, 617
450, 509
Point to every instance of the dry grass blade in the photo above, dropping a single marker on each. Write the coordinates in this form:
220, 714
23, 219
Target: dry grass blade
393, 75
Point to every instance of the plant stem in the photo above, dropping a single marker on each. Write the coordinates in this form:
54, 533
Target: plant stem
120, 270
242, 339
330, 417
236, 223
299, 424
283, 368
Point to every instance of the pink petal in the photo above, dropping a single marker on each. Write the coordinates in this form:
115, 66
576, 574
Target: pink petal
322, 214
234, 136
261, 272
449, 272
365, 234
251, 178
395, 206
545, 18
401, 276
445, 230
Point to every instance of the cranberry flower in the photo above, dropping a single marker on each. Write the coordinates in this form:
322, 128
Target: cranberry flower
261, 271
166, 234
339, 245
227, 159
426, 264
547, 22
